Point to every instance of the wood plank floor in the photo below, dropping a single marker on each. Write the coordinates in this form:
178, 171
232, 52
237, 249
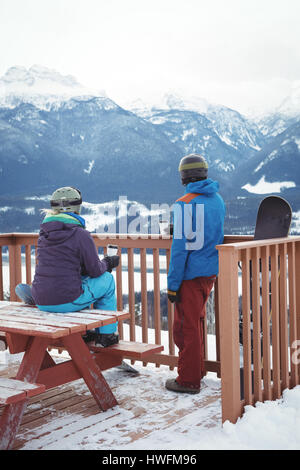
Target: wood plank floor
67, 417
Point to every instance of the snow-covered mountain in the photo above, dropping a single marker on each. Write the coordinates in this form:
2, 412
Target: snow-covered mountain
54, 131
284, 116
41, 87
277, 164
66, 138
222, 135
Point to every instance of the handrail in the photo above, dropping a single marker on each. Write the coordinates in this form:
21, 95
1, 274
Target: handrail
257, 243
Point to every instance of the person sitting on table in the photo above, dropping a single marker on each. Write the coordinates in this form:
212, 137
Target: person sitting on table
69, 275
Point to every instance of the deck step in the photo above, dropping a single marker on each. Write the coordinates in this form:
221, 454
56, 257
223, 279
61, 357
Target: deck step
129, 349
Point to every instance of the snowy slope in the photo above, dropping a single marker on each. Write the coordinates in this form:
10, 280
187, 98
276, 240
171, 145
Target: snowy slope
284, 116
229, 126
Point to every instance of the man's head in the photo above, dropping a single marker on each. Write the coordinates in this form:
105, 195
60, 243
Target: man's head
192, 168
66, 199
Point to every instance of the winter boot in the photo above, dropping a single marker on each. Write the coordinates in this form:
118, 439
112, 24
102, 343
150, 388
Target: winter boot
171, 384
90, 335
103, 340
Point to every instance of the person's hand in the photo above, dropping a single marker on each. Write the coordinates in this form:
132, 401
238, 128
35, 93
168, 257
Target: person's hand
173, 296
112, 262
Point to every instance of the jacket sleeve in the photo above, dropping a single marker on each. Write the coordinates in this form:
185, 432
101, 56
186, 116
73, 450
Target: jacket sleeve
91, 265
179, 251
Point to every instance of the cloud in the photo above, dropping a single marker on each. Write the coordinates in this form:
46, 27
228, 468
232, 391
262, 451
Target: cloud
216, 49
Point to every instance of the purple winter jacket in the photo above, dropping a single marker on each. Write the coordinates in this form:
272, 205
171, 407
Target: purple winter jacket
65, 252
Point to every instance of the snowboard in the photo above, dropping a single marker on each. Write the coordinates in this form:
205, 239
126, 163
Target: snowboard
273, 218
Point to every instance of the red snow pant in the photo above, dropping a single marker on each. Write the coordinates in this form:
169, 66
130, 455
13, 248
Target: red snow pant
188, 329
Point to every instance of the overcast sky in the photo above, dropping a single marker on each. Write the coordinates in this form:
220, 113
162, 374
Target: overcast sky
240, 53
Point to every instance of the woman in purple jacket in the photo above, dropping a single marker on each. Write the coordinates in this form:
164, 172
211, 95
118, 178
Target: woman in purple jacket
69, 275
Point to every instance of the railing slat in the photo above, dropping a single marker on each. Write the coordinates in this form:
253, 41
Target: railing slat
256, 325
1, 275
157, 320
15, 269
292, 312
246, 327
119, 291
131, 293
275, 323
217, 324
297, 269
266, 322
283, 318
28, 263
170, 311
144, 297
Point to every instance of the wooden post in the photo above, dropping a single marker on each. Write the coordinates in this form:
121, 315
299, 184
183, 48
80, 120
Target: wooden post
229, 333
28, 372
87, 367
15, 269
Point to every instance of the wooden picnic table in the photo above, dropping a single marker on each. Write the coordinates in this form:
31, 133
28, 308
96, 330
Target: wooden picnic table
32, 331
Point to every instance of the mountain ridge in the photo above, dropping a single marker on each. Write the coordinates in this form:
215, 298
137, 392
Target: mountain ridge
89, 141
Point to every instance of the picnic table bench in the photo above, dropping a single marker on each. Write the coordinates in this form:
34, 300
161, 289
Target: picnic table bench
31, 331
12, 390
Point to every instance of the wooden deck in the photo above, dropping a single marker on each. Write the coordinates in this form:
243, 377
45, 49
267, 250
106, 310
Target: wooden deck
67, 417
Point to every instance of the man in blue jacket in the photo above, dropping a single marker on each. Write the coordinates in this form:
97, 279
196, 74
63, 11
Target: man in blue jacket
198, 228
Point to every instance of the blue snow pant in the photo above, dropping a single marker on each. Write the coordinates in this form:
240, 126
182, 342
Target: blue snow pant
99, 291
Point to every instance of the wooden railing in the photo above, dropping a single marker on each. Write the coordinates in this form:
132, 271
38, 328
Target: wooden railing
17, 253
259, 296
257, 303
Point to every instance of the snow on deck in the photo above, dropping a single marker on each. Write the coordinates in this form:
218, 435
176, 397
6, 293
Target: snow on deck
68, 418
150, 417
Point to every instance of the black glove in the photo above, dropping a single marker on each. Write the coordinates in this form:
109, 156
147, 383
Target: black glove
173, 296
112, 262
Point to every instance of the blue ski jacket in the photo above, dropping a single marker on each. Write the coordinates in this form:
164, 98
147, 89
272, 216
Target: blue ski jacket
198, 219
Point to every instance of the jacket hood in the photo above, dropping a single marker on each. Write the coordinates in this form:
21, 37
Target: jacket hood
207, 186
56, 231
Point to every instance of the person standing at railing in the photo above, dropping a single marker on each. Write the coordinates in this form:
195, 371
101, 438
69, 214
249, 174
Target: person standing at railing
198, 219
69, 275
